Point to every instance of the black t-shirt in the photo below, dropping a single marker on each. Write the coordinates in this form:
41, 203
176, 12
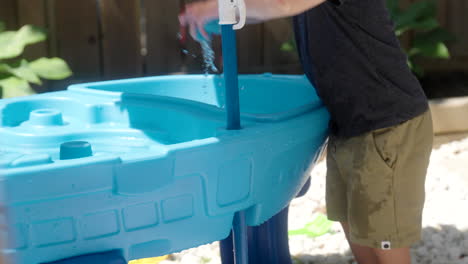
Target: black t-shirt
349, 51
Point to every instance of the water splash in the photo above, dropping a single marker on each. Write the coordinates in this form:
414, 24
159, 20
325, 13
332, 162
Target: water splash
208, 57
207, 52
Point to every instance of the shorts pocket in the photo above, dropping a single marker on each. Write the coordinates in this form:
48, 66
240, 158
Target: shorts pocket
385, 141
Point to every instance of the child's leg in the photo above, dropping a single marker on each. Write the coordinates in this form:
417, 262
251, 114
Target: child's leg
375, 183
362, 254
367, 255
393, 256
337, 206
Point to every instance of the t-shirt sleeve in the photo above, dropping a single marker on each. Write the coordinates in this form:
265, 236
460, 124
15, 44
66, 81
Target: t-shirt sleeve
337, 2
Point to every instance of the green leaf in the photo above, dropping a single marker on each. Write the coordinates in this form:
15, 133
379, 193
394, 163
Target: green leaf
29, 34
431, 44
23, 71
418, 70
393, 7
3, 68
287, 46
434, 36
434, 50
440, 51
2, 26
13, 87
318, 227
51, 68
417, 12
12, 43
7, 47
424, 25
410, 64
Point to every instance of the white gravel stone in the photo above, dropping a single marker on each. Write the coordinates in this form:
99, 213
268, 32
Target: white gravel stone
445, 218
166, 262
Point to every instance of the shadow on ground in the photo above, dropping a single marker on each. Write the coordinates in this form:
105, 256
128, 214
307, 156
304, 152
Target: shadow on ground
444, 245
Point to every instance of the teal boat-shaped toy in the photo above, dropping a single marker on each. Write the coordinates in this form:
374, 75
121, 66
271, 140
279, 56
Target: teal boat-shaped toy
146, 166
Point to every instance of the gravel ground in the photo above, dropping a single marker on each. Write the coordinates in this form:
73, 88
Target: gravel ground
445, 220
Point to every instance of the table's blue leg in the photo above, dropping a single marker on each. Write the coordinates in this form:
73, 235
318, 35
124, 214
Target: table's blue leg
110, 257
241, 241
267, 243
226, 250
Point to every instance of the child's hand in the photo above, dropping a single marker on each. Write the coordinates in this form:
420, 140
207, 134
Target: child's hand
196, 15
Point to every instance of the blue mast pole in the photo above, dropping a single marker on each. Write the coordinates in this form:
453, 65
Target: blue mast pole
231, 81
228, 10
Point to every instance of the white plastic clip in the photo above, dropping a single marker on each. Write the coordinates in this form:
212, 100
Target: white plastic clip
242, 15
228, 13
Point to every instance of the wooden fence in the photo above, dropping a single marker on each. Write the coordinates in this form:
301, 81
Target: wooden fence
108, 39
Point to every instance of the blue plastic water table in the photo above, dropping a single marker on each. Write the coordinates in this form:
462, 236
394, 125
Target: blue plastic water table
146, 167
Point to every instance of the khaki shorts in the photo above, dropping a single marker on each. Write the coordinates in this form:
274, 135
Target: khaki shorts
375, 183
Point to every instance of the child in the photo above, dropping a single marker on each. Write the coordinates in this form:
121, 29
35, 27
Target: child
380, 129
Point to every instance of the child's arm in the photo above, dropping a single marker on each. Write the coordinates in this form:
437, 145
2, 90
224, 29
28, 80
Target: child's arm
197, 14
270, 9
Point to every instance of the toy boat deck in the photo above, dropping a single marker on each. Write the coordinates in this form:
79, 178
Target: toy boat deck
146, 166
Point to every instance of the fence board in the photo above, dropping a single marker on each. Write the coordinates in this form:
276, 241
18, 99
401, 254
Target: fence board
76, 32
8, 13
33, 12
106, 43
52, 49
275, 60
442, 12
121, 41
457, 25
250, 47
456, 64
163, 46
405, 39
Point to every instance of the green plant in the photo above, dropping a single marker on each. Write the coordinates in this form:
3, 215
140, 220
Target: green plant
16, 73
419, 18
205, 260
318, 227
428, 38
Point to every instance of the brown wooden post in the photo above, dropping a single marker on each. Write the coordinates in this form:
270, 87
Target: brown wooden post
8, 13
74, 26
276, 33
33, 12
406, 38
250, 49
164, 51
121, 43
457, 23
